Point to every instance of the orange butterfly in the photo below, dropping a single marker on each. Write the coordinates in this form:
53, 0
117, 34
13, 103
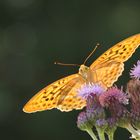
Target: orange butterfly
62, 94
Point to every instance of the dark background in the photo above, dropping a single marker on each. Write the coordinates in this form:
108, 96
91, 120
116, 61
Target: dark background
34, 34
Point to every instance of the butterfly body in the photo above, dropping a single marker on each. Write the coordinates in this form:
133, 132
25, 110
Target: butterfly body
63, 95
88, 74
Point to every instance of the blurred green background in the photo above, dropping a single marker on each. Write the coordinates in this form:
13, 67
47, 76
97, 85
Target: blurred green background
34, 34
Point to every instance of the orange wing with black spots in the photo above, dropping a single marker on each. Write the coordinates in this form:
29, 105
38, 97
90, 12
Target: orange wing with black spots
61, 94
109, 66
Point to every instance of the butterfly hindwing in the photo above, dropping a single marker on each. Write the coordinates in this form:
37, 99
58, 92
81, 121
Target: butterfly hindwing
71, 100
53, 95
107, 75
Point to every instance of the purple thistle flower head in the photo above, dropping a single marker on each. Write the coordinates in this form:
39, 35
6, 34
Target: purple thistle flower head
112, 122
133, 89
82, 121
113, 95
94, 110
102, 123
94, 113
88, 89
112, 126
114, 100
135, 71
90, 92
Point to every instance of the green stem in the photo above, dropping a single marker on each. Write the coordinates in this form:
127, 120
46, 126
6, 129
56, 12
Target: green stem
133, 131
101, 134
111, 136
90, 132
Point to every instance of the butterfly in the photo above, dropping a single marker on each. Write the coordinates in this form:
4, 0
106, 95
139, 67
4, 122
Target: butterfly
62, 94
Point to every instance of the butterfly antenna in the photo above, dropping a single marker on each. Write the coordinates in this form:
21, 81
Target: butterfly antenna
97, 45
63, 64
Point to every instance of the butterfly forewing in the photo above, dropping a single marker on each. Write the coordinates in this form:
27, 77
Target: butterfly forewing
109, 66
53, 95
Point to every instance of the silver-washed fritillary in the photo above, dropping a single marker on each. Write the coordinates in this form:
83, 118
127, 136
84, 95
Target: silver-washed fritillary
62, 94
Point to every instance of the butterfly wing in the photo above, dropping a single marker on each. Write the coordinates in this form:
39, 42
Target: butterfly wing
70, 100
109, 66
60, 94
108, 74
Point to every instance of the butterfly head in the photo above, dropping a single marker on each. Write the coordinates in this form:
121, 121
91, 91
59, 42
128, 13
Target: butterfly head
83, 70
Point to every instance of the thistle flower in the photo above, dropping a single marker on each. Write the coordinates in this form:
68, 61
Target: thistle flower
133, 89
112, 123
106, 110
83, 124
94, 110
91, 93
96, 115
114, 100
111, 95
82, 121
111, 128
135, 71
101, 123
87, 89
